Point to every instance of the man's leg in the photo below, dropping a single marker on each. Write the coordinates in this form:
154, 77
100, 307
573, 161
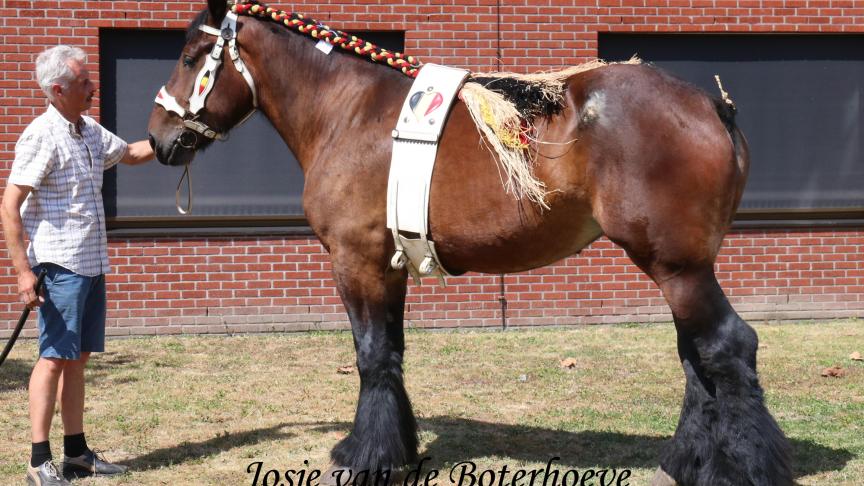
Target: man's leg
43, 394
59, 345
72, 396
78, 459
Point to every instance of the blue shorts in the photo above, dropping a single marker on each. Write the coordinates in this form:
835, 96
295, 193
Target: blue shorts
72, 318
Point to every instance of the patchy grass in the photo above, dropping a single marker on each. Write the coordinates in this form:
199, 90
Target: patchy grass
199, 410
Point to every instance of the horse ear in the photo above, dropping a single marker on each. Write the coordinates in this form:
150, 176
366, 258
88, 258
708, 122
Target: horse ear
217, 9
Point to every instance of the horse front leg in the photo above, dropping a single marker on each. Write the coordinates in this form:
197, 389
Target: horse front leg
725, 435
384, 436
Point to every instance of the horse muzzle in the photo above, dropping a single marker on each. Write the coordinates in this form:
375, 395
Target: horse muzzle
180, 150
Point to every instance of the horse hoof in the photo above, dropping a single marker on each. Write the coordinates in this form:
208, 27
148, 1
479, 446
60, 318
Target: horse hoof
328, 478
662, 479
337, 475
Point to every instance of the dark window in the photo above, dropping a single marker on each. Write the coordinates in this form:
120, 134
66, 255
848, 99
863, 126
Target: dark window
251, 180
799, 100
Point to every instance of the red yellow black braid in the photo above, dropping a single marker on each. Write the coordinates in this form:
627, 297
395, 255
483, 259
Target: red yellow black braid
408, 65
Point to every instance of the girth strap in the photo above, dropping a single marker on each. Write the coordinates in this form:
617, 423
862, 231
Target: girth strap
415, 145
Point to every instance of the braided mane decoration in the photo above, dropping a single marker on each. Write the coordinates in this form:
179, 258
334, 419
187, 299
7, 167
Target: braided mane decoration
408, 65
503, 105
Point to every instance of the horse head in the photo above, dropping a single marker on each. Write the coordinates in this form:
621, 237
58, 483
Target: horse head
210, 90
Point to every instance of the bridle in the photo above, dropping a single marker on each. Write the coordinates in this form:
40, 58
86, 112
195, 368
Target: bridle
193, 126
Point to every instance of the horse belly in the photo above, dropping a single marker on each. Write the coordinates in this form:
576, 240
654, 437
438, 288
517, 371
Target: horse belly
509, 240
478, 226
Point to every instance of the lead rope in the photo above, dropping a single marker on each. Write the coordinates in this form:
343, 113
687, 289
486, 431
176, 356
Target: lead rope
188, 176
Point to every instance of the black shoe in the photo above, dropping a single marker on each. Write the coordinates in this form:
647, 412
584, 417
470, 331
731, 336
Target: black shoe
44, 475
90, 464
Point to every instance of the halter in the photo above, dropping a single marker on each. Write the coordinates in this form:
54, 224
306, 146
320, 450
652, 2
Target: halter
204, 84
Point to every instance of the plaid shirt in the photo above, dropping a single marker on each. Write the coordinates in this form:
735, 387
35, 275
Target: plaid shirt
63, 215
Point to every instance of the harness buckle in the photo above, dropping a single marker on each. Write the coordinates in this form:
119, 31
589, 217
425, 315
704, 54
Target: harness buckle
427, 266
398, 260
216, 54
203, 129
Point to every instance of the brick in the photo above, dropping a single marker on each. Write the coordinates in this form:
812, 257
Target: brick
265, 284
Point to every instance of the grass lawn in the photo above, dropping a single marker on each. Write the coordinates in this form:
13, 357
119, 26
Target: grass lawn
199, 410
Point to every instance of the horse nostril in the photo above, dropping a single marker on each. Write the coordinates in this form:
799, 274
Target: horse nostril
152, 142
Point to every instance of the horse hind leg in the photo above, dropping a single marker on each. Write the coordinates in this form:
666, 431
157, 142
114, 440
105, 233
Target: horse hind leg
667, 193
725, 435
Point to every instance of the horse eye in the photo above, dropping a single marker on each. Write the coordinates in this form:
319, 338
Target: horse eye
188, 61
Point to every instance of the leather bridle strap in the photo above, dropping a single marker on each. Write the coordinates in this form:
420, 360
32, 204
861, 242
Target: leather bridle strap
188, 176
206, 78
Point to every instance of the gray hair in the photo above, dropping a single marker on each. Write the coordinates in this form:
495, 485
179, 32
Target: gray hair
52, 67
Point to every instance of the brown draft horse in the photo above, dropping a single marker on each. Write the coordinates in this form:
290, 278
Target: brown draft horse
659, 168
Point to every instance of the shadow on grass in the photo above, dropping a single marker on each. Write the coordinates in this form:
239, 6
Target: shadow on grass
103, 365
463, 439
108, 361
191, 451
15, 374
809, 458
466, 440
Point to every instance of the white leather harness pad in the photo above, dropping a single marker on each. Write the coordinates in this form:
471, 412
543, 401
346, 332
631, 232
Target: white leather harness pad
415, 145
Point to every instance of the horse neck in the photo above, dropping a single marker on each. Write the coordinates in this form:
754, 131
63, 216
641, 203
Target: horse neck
318, 101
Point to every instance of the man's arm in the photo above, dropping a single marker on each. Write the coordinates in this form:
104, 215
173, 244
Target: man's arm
13, 230
138, 153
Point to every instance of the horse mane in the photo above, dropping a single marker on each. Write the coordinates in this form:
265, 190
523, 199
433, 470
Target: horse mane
503, 105
193, 26
308, 26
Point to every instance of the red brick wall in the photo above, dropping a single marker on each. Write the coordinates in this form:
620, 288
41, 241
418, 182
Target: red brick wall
222, 284
170, 285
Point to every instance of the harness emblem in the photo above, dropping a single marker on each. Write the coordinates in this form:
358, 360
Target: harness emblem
203, 85
423, 103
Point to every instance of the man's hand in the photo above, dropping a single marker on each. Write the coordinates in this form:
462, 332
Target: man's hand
27, 290
138, 153
13, 230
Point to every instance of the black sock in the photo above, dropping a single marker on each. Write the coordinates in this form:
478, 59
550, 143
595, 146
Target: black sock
74, 445
40, 452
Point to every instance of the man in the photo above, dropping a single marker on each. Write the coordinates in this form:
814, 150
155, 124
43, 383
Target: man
54, 194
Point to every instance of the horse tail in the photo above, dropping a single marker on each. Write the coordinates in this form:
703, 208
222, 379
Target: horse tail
726, 110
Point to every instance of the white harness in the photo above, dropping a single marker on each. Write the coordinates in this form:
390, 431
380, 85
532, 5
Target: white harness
204, 84
415, 145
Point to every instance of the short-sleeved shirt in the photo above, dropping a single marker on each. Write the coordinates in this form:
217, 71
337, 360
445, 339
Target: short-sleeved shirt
63, 215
